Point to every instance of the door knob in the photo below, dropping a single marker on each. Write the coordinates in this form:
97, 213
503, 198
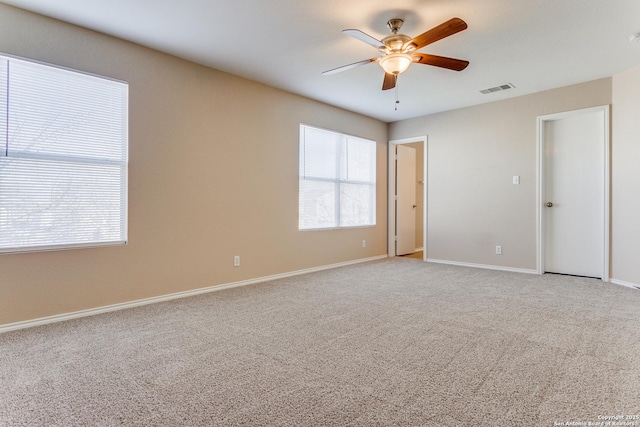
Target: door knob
415, 206
548, 204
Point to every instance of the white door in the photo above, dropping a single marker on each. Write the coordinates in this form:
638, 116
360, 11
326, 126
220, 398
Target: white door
405, 200
574, 194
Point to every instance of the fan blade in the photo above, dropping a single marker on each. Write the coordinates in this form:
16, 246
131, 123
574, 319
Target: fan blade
440, 61
446, 29
350, 66
365, 38
389, 81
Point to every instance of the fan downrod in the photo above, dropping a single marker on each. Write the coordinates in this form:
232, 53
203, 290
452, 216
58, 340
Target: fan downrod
395, 24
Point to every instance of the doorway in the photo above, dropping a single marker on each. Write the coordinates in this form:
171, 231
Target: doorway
397, 219
573, 193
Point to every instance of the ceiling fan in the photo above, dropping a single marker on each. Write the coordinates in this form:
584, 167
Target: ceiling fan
399, 51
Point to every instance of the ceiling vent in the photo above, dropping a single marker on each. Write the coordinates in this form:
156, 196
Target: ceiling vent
497, 88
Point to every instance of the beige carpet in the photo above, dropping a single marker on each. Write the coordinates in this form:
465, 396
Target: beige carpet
397, 342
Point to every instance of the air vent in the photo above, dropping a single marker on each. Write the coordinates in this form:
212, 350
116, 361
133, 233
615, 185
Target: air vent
497, 88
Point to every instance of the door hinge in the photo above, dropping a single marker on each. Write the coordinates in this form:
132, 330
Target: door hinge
396, 238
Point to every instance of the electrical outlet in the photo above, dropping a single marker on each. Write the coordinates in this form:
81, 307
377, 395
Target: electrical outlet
364, 243
236, 261
516, 179
498, 250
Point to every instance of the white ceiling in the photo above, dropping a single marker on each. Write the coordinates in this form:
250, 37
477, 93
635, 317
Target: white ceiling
533, 44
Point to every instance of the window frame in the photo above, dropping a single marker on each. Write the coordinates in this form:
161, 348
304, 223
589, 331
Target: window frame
54, 158
338, 181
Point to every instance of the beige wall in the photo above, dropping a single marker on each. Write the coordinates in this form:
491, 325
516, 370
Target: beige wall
625, 179
472, 205
212, 174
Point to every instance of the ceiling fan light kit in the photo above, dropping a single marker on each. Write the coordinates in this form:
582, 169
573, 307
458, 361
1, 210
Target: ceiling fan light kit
395, 63
399, 51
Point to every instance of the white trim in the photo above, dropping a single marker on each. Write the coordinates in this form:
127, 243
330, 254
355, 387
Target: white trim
540, 184
146, 301
60, 67
391, 221
484, 266
623, 283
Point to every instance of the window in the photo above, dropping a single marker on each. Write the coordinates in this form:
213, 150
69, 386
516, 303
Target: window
63, 158
337, 185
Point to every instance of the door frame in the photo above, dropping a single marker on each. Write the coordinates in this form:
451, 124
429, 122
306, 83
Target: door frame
540, 183
391, 229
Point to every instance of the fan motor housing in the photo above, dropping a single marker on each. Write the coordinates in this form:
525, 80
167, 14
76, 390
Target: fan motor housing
395, 42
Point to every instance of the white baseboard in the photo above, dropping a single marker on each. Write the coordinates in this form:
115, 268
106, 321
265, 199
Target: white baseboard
623, 283
137, 303
485, 266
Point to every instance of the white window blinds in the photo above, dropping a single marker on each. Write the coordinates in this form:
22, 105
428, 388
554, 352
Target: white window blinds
63, 158
337, 181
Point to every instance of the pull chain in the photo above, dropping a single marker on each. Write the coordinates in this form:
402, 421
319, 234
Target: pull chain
397, 101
